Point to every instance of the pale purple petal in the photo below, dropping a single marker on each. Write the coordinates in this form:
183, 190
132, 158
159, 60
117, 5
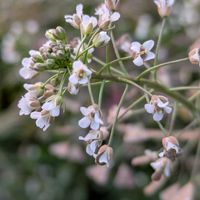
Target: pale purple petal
148, 45
135, 46
114, 17
84, 122
149, 108
138, 61
85, 111
162, 104
158, 116
149, 56
94, 125
73, 79
168, 109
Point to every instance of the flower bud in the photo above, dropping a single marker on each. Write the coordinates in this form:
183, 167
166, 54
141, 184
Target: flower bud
87, 29
35, 90
104, 155
101, 39
56, 34
164, 7
112, 4
194, 56
60, 33
171, 148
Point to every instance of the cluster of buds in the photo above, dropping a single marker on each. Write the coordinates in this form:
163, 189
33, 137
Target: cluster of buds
157, 107
164, 7
171, 150
52, 55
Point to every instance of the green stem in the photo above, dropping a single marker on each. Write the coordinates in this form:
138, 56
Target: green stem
173, 118
184, 88
103, 63
117, 113
113, 62
60, 92
85, 51
158, 46
154, 85
159, 66
81, 44
117, 53
90, 93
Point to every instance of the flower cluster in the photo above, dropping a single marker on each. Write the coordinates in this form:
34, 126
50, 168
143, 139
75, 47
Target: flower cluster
72, 66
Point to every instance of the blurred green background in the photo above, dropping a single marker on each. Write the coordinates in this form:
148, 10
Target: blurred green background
53, 165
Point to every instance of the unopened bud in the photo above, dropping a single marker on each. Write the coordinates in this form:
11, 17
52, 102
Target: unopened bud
164, 7
101, 39
112, 4
194, 56
104, 155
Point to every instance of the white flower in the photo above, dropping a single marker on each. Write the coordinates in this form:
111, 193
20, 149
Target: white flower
73, 89
106, 16
104, 155
142, 52
194, 56
27, 72
92, 117
162, 165
75, 19
27, 104
158, 106
43, 119
53, 105
164, 7
80, 74
88, 24
101, 39
93, 139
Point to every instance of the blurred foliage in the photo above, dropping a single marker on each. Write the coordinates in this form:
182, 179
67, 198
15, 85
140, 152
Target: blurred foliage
28, 168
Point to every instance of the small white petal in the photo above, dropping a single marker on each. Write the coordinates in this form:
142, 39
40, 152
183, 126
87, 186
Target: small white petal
84, 122
114, 17
73, 79
35, 115
135, 46
158, 116
103, 159
162, 104
94, 125
148, 45
79, 9
138, 61
55, 112
97, 118
149, 56
168, 109
83, 81
85, 111
149, 108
